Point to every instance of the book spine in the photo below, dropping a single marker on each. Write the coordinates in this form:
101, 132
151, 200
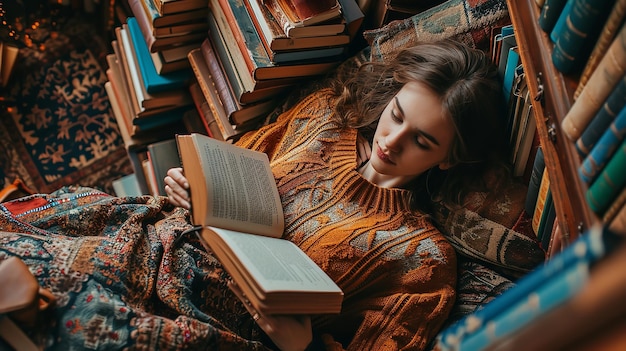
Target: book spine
609, 182
603, 119
223, 88
547, 222
210, 93
587, 249
615, 208
544, 189
204, 111
537, 302
550, 12
240, 81
142, 19
602, 44
279, 15
539, 165
153, 81
560, 22
604, 149
577, 37
610, 70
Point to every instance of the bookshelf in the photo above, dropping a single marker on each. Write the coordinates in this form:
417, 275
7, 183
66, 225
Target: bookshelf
591, 320
552, 97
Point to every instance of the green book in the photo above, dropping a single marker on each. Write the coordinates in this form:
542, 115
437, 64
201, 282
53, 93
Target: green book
609, 183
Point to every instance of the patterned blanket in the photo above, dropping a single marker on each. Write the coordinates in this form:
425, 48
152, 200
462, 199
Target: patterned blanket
125, 273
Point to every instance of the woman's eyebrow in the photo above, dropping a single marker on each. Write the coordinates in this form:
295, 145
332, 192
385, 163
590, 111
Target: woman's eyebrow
420, 132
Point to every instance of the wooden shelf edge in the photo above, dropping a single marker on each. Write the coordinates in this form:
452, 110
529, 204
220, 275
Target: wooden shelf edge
554, 93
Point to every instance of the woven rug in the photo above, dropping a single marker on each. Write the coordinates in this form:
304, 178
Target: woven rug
57, 125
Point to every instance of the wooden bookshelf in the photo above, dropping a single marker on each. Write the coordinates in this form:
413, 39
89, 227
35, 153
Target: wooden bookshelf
553, 96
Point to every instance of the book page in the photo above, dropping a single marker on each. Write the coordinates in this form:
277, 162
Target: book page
274, 274
240, 191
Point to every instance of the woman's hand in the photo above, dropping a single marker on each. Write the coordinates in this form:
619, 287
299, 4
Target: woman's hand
177, 188
289, 333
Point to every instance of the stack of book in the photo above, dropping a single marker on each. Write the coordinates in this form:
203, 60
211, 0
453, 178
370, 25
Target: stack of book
256, 50
171, 28
144, 99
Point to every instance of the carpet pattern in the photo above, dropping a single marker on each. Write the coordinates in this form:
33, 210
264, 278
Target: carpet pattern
58, 127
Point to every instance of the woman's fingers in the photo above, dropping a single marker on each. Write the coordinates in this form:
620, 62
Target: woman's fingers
176, 188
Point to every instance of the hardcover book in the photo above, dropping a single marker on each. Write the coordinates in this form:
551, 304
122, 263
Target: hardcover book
302, 13
609, 182
275, 39
166, 7
535, 293
229, 183
241, 37
227, 87
237, 113
160, 101
228, 131
610, 70
294, 30
604, 149
610, 29
603, 119
154, 81
575, 41
158, 43
164, 20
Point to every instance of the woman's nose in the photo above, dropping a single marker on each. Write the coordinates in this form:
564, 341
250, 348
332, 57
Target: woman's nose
394, 141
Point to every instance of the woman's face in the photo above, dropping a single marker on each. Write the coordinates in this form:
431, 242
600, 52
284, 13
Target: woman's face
413, 135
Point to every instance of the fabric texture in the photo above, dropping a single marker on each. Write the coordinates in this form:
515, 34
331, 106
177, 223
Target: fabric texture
57, 127
468, 21
126, 273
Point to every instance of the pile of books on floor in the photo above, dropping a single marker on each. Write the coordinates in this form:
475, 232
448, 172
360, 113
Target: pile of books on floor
148, 70
258, 50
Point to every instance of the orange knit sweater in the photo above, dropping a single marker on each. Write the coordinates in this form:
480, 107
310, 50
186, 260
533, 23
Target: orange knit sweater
396, 270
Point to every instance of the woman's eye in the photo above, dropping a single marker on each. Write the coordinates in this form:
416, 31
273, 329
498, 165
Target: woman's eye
395, 117
421, 144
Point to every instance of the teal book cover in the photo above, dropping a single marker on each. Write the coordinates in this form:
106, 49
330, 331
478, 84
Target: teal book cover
604, 149
153, 81
590, 247
602, 120
609, 182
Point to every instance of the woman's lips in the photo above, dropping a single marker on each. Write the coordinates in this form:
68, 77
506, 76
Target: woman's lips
383, 156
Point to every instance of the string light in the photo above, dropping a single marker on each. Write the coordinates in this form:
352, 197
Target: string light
18, 20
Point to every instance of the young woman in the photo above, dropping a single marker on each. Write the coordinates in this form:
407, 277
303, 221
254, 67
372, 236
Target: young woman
357, 202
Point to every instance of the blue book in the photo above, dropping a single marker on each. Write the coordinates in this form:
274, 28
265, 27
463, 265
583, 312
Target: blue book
561, 20
153, 81
544, 298
604, 149
513, 60
550, 12
575, 40
539, 166
603, 119
609, 183
590, 246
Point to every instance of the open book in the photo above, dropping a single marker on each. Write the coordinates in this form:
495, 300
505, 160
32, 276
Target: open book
235, 200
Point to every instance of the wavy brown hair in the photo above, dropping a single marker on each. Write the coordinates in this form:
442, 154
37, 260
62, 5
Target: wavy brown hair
465, 80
